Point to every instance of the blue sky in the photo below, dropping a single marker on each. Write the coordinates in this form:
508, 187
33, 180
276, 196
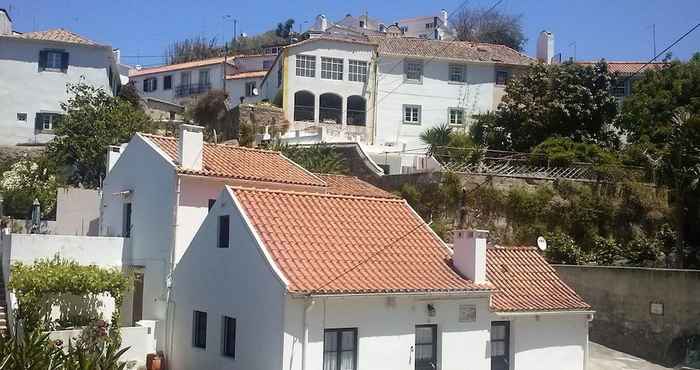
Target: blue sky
611, 29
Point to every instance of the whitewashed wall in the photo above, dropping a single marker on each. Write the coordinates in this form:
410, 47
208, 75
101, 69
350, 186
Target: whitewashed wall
151, 178
215, 78
26, 89
386, 332
435, 95
236, 90
77, 211
236, 282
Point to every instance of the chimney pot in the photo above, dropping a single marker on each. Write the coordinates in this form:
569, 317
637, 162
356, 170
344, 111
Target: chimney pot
190, 147
470, 254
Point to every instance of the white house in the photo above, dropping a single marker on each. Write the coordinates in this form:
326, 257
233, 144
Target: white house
183, 82
35, 68
384, 91
303, 280
436, 27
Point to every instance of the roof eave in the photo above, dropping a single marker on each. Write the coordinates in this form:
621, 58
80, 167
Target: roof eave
98, 46
545, 312
482, 293
462, 60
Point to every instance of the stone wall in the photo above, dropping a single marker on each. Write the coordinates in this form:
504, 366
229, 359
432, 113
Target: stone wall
650, 313
260, 115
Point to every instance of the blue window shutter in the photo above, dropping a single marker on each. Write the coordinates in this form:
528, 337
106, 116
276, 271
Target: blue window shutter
64, 61
39, 121
43, 56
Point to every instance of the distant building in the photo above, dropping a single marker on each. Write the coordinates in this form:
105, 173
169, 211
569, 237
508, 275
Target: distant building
183, 82
435, 27
34, 70
628, 72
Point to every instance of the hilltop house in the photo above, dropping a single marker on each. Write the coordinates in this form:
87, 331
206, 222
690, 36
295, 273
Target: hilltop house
35, 68
384, 91
180, 83
241, 249
434, 27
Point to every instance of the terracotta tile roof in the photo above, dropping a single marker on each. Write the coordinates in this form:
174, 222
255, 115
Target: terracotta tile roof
468, 51
249, 74
526, 282
58, 34
627, 68
320, 241
241, 163
351, 185
176, 67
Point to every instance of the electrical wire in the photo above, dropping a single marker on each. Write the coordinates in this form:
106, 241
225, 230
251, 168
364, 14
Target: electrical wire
663, 51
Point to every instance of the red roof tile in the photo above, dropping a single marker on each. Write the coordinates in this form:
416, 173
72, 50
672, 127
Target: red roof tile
332, 244
526, 282
351, 185
177, 67
242, 163
249, 74
58, 34
628, 67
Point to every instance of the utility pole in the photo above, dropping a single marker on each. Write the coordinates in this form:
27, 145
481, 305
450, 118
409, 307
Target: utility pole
653, 36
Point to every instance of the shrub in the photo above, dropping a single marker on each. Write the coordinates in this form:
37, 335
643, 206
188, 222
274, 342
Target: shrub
561, 248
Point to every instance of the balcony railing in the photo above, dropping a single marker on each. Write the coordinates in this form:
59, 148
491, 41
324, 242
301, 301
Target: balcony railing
356, 117
192, 89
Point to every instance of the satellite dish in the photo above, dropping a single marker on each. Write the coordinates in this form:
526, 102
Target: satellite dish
541, 243
255, 91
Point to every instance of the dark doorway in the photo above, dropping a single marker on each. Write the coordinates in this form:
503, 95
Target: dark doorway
137, 311
500, 345
426, 347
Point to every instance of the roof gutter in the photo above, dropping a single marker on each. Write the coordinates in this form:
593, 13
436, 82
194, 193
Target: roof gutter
543, 313
451, 294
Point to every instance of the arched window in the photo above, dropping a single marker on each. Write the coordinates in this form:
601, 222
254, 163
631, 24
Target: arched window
357, 111
330, 108
304, 106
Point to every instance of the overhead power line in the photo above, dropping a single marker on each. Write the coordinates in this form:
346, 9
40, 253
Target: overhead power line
665, 50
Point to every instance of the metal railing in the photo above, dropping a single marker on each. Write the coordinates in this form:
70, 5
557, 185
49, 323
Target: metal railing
192, 89
356, 117
303, 113
330, 115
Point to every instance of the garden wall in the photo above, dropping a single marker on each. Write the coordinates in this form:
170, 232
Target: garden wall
650, 313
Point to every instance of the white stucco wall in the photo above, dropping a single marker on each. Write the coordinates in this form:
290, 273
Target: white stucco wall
236, 90
77, 211
26, 89
386, 332
151, 178
435, 95
236, 282
216, 79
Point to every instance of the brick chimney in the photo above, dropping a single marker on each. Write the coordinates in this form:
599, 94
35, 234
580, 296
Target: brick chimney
469, 256
190, 148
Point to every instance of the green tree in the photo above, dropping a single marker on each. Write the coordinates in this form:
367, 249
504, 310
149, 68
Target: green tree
319, 158
25, 181
286, 29
196, 48
211, 111
490, 26
567, 100
93, 121
437, 138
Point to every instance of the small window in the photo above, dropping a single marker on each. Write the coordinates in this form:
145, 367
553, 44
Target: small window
126, 220
54, 60
250, 88
185, 78
267, 64
199, 329
167, 82
357, 70
362, 24
411, 114
204, 77
306, 65
228, 337
340, 349
619, 89
224, 223
332, 68
279, 74
457, 73
456, 116
47, 121
414, 71
210, 204
150, 84
22, 117
502, 77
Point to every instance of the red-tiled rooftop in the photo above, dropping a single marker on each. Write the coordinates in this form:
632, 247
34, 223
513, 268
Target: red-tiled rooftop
58, 35
628, 67
248, 74
230, 161
526, 282
177, 67
320, 242
351, 185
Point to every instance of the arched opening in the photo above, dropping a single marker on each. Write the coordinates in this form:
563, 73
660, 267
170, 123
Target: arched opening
330, 108
304, 106
357, 111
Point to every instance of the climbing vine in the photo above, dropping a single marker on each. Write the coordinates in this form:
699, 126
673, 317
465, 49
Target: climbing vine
49, 282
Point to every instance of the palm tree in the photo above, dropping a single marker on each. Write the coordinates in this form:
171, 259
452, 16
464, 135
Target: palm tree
437, 138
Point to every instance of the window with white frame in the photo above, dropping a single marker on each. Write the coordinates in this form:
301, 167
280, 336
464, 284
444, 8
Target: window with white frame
150, 84
46, 121
411, 114
458, 73
414, 71
455, 116
306, 65
331, 68
204, 77
357, 70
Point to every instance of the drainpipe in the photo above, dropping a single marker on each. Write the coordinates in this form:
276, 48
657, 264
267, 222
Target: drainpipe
373, 134
170, 314
307, 307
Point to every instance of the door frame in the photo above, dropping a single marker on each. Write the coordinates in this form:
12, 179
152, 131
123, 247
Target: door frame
435, 343
507, 325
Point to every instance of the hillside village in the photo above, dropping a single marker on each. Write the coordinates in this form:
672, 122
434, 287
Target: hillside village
360, 194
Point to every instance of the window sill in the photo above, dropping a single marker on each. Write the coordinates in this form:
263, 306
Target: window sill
51, 132
411, 123
57, 70
413, 82
457, 82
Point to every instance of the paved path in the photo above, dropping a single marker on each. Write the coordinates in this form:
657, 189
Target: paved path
604, 358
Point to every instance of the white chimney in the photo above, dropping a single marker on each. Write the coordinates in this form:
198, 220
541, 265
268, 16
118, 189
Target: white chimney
117, 55
113, 154
322, 21
470, 254
5, 22
545, 47
443, 15
190, 148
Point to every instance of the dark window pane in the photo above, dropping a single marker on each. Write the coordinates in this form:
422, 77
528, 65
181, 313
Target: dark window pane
223, 231
229, 337
211, 203
199, 329
126, 220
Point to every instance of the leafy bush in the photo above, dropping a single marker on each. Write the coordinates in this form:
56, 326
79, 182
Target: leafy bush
563, 152
25, 181
561, 248
605, 251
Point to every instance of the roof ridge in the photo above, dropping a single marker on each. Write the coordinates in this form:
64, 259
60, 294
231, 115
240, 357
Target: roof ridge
213, 144
512, 247
315, 194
